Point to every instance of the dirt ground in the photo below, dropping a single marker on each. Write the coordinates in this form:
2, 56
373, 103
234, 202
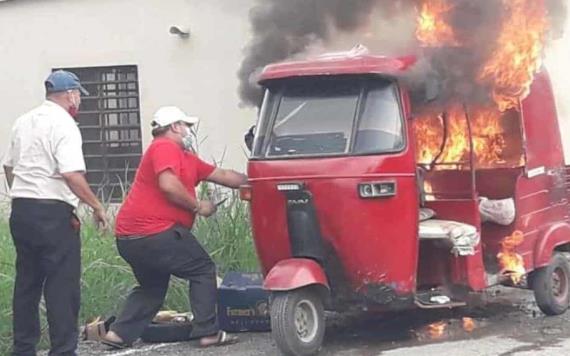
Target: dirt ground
505, 322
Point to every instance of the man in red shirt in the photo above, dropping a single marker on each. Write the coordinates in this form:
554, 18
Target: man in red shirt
153, 231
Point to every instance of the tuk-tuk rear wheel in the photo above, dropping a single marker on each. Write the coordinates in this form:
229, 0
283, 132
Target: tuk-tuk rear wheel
551, 285
298, 321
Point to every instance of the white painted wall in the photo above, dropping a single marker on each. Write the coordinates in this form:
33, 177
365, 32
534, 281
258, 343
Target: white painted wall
197, 74
558, 64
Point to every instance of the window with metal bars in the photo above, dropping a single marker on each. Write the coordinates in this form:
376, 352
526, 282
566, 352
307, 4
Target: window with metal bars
109, 119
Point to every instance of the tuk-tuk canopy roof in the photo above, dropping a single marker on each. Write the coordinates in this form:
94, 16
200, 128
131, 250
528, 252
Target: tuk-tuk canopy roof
339, 64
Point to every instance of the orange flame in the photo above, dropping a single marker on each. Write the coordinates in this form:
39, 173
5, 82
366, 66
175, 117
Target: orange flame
517, 57
468, 324
512, 264
509, 71
428, 131
432, 29
436, 330
489, 138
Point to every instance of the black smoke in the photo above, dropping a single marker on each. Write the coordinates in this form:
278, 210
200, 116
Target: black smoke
284, 28
476, 25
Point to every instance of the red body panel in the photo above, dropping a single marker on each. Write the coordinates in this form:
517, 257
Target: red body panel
364, 234
295, 273
556, 235
541, 129
339, 66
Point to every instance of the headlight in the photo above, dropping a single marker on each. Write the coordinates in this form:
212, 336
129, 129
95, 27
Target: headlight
290, 187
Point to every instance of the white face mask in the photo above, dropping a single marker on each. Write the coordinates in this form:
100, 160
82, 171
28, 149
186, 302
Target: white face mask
187, 139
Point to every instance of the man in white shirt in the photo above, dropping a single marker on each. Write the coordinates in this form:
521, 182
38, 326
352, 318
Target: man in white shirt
45, 170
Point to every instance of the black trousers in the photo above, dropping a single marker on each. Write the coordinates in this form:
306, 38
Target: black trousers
153, 260
48, 260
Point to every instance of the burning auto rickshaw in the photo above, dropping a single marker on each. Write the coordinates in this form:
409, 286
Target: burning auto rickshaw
360, 200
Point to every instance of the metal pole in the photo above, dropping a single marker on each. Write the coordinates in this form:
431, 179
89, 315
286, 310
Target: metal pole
471, 151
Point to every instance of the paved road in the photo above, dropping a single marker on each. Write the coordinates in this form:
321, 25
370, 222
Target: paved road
507, 322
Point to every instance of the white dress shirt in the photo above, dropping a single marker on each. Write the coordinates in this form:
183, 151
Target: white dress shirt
45, 143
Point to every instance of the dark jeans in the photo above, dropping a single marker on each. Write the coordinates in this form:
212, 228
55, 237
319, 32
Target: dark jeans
48, 259
153, 260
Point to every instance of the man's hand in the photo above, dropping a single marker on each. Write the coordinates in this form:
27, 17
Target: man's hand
79, 186
206, 208
100, 217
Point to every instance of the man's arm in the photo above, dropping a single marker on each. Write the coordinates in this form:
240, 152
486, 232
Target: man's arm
227, 178
9, 171
177, 194
79, 186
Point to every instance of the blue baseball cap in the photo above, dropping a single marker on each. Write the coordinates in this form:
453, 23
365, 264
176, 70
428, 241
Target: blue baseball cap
62, 80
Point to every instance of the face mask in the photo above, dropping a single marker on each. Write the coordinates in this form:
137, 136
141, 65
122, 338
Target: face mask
187, 140
74, 108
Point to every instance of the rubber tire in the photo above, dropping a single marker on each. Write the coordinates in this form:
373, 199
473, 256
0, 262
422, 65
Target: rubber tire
541, 282
168, 332
283, 325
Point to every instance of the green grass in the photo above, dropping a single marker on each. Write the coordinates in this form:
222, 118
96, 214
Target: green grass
6, 286
107, 279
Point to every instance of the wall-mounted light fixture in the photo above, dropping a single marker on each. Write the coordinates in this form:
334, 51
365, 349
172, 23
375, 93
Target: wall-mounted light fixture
182, 32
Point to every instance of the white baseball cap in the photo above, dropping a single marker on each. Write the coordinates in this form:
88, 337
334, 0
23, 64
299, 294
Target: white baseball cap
167, 115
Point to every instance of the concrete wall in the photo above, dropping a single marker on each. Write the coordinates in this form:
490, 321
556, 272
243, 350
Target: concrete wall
198, 74
558, 64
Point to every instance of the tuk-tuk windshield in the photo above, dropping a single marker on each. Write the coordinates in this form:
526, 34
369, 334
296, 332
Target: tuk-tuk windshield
330, 116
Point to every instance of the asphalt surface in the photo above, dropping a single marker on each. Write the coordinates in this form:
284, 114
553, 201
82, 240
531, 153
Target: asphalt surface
505, 322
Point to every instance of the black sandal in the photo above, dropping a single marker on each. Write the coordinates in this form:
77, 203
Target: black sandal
97, 329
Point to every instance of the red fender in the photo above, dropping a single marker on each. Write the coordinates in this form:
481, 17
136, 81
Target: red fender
295, 273
556, 235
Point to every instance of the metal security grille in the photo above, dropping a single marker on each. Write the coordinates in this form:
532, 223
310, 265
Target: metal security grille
110, 124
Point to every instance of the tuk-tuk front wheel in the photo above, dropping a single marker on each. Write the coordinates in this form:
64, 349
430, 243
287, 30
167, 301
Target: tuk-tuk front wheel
298, 321
551, 285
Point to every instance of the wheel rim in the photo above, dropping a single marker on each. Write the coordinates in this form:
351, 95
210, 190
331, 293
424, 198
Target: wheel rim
560, 285
306, 321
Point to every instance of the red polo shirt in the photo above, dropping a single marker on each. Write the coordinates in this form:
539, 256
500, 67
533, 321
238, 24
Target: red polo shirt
146, 211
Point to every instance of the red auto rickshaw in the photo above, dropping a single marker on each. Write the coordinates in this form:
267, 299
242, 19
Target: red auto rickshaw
357, 203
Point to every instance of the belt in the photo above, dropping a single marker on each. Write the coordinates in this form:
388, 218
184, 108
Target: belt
43, 202
131, 238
